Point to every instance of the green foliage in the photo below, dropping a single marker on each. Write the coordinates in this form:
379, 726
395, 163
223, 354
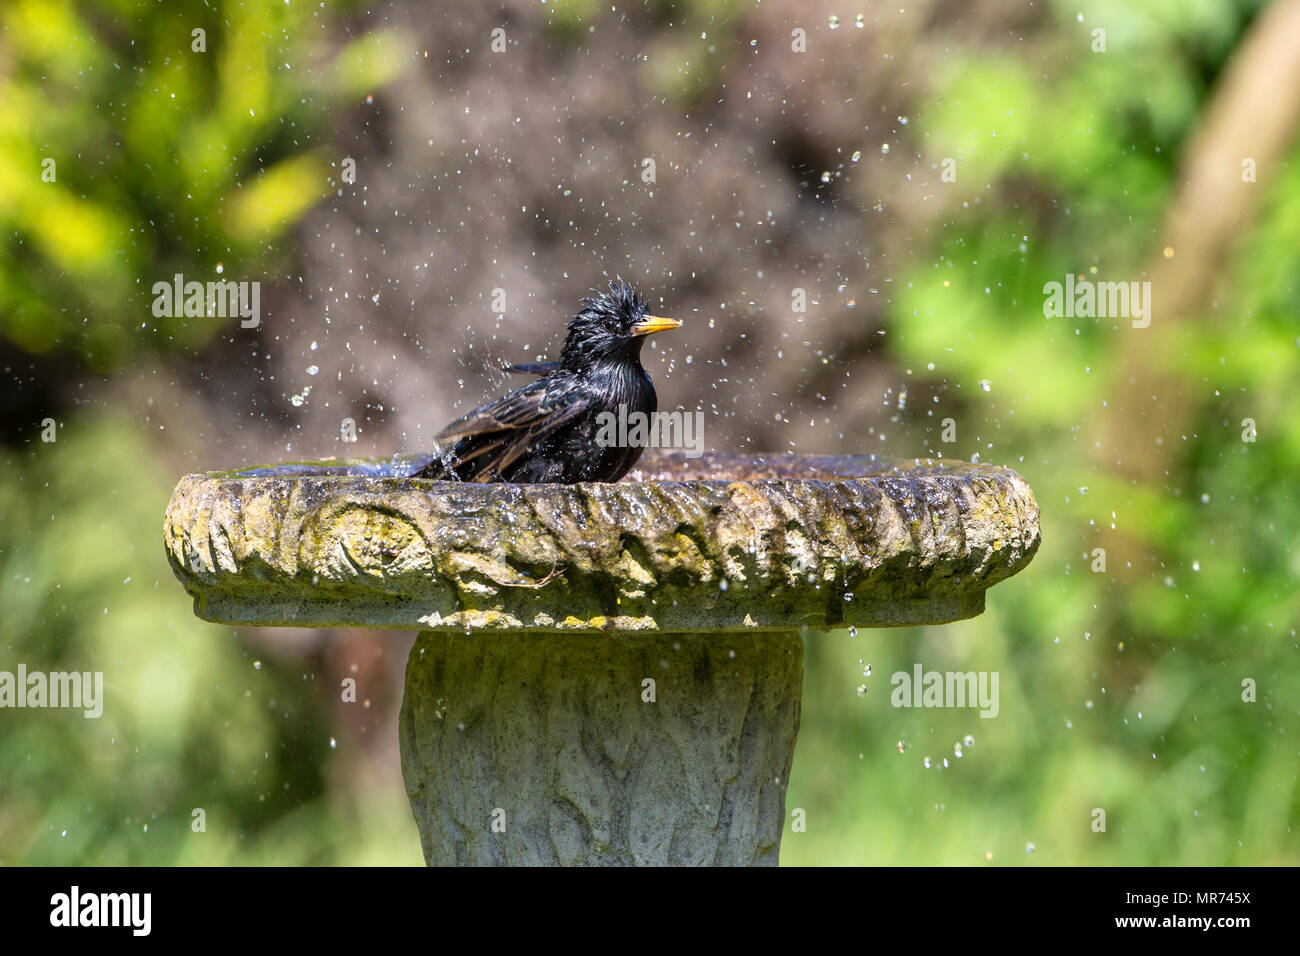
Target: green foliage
1120, 690
165, 159
85, 586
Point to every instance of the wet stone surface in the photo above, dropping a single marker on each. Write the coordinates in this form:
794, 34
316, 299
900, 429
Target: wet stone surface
723, 543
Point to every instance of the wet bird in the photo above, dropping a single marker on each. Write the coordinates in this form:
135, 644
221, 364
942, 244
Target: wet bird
547, 430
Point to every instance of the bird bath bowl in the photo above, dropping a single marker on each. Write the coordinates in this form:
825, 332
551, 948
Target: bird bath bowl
606, 673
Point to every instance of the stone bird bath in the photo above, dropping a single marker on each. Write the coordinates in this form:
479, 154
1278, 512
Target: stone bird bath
606, 673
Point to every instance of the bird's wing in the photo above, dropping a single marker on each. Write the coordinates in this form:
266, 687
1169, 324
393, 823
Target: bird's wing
534, 368
520, 409
511, 425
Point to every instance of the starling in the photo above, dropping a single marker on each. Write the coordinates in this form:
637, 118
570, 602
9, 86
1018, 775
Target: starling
547, 430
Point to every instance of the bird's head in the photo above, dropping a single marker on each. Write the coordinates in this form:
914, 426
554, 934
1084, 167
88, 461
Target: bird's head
611, 327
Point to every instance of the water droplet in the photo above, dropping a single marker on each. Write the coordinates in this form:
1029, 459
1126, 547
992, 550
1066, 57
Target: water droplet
257, 665
862, 690
884, 149
312, 369
833, 22
901, 746
926, 763
857, 154
334, 744
986, 385
1029, 848
860, 21
969, 740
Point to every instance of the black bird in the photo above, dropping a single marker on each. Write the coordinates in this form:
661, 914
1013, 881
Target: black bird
547, 430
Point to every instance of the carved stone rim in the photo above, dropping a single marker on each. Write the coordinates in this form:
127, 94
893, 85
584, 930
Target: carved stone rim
722, 543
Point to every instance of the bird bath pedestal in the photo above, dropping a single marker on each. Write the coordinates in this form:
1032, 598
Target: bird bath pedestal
606, 673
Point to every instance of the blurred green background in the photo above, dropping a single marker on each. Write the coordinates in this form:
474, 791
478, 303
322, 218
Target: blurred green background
1120, 689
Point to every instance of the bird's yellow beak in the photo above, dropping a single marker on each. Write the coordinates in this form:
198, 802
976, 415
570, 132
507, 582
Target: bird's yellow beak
653, 323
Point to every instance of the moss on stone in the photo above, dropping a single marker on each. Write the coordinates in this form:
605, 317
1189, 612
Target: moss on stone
721, 543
